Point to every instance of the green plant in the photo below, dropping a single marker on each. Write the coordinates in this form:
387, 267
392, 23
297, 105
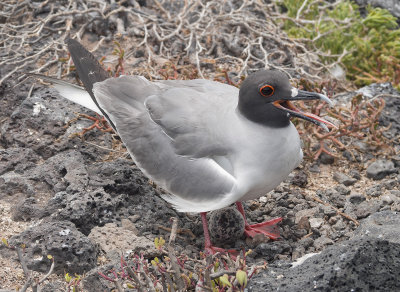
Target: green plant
369, 48
172, 272
73, 283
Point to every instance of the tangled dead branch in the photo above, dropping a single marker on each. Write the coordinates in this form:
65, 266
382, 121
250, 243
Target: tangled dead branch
359, 122
240, 35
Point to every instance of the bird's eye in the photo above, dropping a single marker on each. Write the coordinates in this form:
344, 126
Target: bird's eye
266, 90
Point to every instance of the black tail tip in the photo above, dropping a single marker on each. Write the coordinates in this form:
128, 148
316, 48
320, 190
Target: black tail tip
72, 43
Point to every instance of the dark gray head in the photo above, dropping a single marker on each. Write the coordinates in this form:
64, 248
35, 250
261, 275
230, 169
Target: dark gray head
265, 96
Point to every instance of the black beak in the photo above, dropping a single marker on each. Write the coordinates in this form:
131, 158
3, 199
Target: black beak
286, 105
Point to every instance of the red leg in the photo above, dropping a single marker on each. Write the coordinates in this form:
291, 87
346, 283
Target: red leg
268, 228
209, 248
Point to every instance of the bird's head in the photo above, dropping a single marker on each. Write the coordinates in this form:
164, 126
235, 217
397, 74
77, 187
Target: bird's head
266, 97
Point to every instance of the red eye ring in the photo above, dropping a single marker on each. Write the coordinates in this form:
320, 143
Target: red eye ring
267, 90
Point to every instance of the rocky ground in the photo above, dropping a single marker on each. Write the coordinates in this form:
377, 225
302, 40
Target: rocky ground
84, 202
64, 196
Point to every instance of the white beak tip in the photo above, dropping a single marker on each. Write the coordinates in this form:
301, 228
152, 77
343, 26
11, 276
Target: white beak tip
326, 99
323, 126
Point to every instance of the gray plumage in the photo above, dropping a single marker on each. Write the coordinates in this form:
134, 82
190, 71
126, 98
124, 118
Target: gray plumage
208, 144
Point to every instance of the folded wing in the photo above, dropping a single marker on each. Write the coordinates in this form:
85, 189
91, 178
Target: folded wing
197, 115
142, 112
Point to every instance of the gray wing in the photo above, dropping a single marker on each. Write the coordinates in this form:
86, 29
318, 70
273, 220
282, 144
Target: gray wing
198, 116
196, 185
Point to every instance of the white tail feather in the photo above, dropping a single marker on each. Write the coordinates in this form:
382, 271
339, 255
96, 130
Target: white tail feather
77, 95
71, 92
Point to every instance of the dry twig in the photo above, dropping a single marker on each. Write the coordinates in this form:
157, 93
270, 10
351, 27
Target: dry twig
244, 36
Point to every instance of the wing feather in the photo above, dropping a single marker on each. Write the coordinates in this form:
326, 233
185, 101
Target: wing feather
196, 185
197, 115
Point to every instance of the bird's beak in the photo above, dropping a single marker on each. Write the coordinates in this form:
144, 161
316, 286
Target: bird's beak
286, 105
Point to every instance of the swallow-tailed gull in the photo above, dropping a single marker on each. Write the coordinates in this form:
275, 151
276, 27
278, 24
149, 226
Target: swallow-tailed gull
207, 143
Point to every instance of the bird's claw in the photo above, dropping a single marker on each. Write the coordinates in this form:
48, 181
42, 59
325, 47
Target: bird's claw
268, 228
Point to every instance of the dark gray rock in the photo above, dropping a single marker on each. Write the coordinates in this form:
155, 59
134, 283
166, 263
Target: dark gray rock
38, 124
374, 89
270, 250
395, 193
380, 225
72, 251
342, 190
116, 190
300, 179
12, 184
87, 194
352, 156
340, 225
314, 168
321, 242
396, 160
390, 183
344, 179
380, 168
306, 242
94, 282
374, 191
364, 209
356, 198
17, 159
363, 264
64, 171
26, 210
362, 146
355, 174
332, 196
326, 158
387, 199
54, 286
328, 211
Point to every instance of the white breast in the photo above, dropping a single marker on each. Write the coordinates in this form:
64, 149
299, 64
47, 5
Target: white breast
268, 159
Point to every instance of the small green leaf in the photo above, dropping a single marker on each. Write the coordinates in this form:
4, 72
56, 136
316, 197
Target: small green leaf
49, 256
159, 242
5, 242
187, 279
216, 265
241, 277
224, 280
250, 251
68, 278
